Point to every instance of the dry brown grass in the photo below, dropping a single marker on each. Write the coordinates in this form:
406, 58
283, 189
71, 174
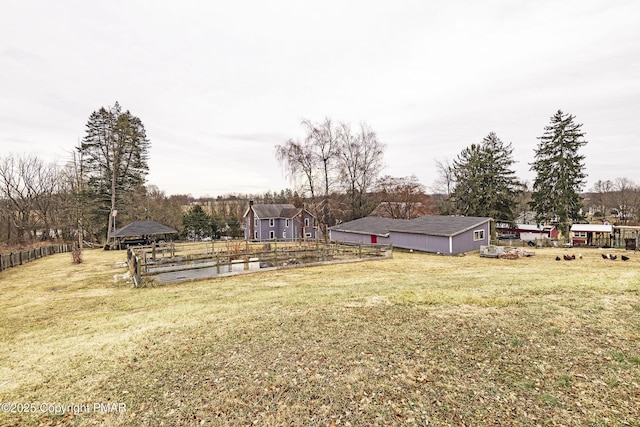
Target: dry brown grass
415, 340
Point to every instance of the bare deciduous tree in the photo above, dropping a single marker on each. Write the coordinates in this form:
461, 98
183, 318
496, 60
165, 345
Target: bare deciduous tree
299, 159
625, 199
331, 158
443, 186
71, 200
324, 140
446, 181
620, 198
602, 196
15, 172
360, 162
402, 198
29, 188
46, 186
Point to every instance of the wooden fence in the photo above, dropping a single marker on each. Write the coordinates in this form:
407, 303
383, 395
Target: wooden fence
172, 258
15, 258
135, 266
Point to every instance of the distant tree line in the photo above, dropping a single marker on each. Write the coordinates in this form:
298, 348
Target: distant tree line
618, 199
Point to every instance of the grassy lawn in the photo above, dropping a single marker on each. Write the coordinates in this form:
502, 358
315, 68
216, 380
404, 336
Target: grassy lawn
415, 340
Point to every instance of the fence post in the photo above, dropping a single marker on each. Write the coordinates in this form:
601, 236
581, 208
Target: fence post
275, 256
136, 271
144, 258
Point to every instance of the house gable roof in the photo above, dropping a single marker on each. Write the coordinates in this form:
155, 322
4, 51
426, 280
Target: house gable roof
282, 210
143, 228
441, 225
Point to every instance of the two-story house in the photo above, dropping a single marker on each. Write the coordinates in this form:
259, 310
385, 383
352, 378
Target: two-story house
278, 222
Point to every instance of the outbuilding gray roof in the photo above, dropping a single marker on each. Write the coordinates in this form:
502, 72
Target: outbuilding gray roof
433, 225
370, 225
142, 228
440, 225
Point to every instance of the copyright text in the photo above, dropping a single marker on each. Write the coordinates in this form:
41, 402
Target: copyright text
60, 409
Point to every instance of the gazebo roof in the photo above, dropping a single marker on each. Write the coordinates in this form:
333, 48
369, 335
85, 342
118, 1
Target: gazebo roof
143, 228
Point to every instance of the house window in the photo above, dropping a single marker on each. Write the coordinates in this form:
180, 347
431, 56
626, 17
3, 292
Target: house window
272, 222
255, 235
306, 222
307, 235
255, 222
286, 223
284, 234
272, 235
478, 235
580, 234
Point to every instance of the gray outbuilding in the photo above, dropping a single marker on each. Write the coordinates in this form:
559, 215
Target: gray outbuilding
430, 233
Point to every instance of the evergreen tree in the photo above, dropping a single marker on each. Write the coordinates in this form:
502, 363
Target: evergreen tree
114, 155
198, 224
485, 184
234, 228
559, 173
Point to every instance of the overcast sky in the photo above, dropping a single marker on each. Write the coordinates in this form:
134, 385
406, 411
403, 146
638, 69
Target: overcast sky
218, 85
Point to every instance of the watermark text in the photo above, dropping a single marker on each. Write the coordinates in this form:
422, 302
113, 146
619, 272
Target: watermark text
62, 409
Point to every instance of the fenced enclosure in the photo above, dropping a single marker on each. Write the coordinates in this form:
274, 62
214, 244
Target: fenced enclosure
174, 262
16, 258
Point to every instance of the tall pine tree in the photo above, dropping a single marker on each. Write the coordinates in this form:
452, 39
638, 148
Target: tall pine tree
559, 173
114, 155
198, 224
485, 183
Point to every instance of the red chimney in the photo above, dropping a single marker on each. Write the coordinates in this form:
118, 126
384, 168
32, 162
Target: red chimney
251, 221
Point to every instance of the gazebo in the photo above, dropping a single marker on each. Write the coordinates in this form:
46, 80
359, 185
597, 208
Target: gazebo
140, 233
